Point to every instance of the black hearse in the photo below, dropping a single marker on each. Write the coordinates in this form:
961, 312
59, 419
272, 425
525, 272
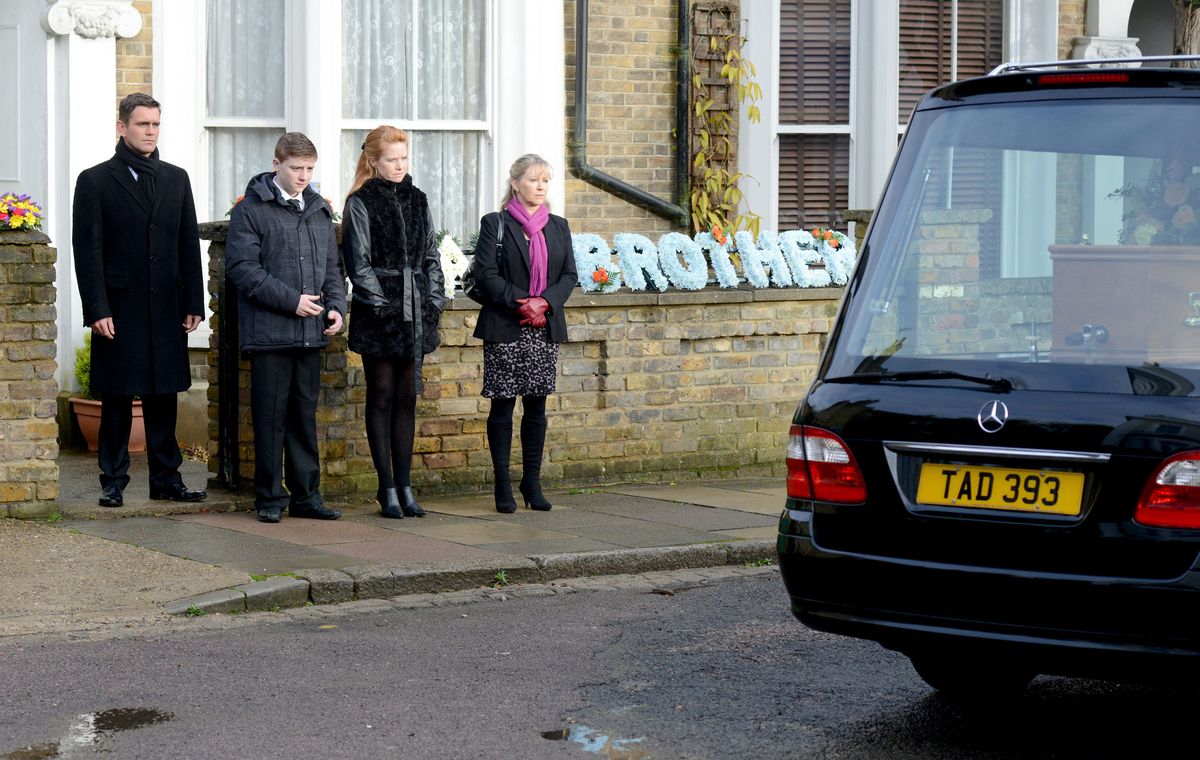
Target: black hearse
997, 468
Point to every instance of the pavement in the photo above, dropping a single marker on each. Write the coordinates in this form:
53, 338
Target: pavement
96, 567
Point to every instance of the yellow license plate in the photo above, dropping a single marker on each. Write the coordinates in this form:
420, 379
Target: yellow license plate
1040, 491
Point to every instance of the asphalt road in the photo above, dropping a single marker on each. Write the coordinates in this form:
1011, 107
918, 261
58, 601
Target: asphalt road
719, 670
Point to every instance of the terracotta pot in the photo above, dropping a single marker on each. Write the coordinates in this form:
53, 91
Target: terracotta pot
87, 413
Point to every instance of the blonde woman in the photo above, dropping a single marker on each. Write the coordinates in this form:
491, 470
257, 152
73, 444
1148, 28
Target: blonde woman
526, 271
390, 248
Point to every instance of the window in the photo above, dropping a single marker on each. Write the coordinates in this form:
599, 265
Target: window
945, 40
420, 66
244, 99
814, 112
336, 71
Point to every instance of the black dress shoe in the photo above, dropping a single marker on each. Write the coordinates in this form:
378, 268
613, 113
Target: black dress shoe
409, 504
316, 512
176, 492
270, 514
111, 497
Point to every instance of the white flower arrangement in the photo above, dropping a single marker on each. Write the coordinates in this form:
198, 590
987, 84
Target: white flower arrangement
773, 260
454, 262
639, 257
592, 256
692, 273
717, 250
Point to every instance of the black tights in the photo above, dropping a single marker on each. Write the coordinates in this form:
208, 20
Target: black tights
391, 418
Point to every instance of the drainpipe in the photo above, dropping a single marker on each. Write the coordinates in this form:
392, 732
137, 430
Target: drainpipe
593, 176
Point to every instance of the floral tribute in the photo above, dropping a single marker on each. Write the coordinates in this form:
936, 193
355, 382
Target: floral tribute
1163, 211
18, 212
794, 258
454, 262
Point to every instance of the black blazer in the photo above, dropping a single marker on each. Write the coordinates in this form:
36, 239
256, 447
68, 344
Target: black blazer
138, 263
503, 276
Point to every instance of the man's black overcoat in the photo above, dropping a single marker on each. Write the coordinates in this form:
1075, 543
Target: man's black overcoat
138, 263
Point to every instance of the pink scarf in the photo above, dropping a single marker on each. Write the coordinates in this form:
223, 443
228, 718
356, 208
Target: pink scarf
538, 255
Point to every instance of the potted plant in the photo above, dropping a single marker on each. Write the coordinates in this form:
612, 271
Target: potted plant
87, 408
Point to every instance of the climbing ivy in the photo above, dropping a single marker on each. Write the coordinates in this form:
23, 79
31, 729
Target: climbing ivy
714, 195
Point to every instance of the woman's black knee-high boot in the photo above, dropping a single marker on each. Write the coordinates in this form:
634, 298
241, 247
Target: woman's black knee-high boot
533, 442
499, 435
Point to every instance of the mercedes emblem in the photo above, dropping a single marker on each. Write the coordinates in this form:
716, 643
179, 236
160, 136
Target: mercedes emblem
992, 416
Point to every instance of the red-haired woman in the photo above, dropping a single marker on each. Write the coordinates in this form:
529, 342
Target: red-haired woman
390, 247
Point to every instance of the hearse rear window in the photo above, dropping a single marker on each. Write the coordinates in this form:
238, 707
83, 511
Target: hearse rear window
1053, 243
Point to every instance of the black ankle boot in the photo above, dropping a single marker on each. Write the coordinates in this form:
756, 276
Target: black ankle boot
389, 503
409, 503
505, 503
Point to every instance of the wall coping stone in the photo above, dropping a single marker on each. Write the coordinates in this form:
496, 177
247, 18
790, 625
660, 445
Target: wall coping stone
24, 237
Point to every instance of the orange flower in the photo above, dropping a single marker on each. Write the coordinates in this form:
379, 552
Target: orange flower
719, 234
1185, 216
834, 244
600, 276
828, 235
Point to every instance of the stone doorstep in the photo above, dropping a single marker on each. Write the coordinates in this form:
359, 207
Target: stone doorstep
323, 586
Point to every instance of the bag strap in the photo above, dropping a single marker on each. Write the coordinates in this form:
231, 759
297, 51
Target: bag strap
499, 228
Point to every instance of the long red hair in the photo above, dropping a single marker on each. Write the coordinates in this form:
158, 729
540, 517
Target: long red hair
372, 149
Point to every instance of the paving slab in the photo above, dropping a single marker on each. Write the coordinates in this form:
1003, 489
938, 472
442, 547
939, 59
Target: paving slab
577, 520
293, 530
142, 530
708, 496
649, 534
547, 546
765, 531
485, 532
682, 514
403, 548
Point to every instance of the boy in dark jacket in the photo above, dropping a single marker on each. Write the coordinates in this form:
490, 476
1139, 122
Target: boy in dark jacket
282, 258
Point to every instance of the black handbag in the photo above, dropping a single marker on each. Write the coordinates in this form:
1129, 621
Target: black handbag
470, 280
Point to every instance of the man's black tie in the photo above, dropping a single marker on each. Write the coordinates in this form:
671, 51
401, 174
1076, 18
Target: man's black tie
294, 203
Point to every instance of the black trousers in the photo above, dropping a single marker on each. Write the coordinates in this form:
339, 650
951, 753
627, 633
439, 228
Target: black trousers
162, 450
283, 406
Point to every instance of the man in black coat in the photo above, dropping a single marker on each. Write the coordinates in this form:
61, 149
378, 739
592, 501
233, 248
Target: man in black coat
282, 257
137, 261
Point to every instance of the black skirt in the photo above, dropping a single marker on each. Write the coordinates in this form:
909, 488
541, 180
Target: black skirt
528, 366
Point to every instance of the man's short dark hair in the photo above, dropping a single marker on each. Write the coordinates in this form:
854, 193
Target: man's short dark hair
132, 101
294, 145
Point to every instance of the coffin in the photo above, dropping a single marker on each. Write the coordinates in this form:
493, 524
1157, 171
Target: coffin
1139, 294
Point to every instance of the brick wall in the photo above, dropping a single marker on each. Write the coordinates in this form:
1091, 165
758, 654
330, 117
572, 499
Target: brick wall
1072, 23
134, 61
631, 112
651, 387
28, 333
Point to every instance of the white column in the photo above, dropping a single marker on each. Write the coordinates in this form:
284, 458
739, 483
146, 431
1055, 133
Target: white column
531, 48
874, 116
82, 129
1031, 31
758, 146
1107, 32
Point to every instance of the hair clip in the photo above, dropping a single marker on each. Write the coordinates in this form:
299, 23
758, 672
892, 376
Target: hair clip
363, 146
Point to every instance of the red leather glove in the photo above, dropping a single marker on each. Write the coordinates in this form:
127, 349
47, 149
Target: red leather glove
532, 311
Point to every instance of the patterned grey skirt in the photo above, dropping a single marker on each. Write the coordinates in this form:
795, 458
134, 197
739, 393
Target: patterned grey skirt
526, 367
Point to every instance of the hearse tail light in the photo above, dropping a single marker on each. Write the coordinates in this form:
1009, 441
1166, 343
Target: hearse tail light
1171, 498
821, 467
